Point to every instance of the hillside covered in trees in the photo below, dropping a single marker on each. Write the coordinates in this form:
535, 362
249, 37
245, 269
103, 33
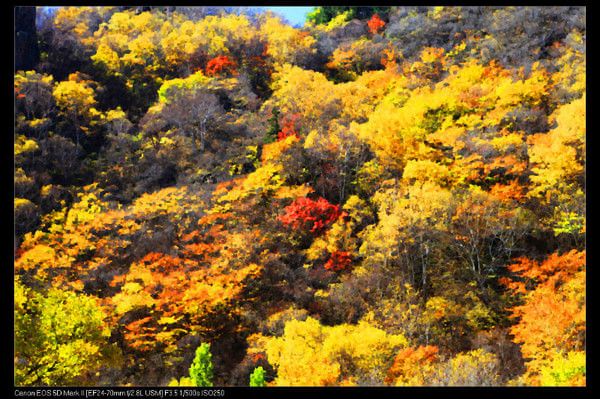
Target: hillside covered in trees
384, 196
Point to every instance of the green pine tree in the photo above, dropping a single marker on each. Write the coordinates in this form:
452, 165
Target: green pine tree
274, 127
257, 378
201, 371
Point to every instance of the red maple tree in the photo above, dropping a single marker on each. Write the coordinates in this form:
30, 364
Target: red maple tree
289, 127
221, 65
339, 260
312, 215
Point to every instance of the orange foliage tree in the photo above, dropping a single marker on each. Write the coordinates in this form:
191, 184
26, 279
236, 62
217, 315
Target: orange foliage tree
375, 24
551, 320
410, 365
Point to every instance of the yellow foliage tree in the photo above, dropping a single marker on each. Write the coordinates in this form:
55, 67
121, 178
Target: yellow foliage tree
309, 353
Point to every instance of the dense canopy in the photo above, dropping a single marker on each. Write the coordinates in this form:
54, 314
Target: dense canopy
384, 196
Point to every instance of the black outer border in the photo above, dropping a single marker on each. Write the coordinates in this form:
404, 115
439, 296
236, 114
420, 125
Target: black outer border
322, 392
7, 388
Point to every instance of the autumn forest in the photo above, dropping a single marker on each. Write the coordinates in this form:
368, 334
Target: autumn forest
383, 196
